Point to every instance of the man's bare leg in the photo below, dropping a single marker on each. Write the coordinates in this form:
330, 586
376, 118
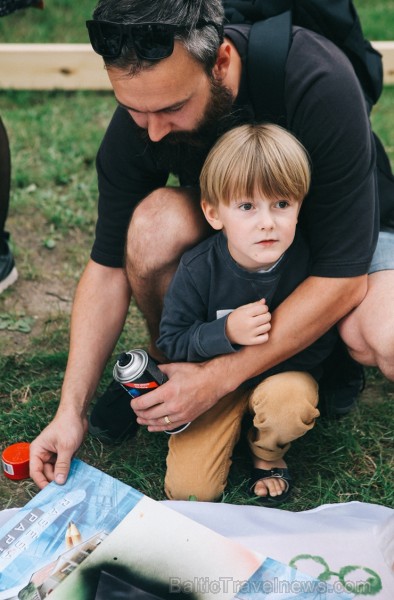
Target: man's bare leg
368, 330
163, 226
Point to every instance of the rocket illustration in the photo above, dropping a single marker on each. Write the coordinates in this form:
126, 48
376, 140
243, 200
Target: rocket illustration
73, 535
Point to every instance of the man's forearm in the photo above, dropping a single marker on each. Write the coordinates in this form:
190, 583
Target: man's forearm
99, 312
311, 310
193, 388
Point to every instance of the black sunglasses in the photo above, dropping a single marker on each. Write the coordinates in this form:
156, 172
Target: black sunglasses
151, 41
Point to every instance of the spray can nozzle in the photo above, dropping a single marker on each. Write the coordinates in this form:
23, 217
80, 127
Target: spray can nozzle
124, 359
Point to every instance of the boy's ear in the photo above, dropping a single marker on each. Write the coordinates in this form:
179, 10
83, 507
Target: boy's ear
211, 215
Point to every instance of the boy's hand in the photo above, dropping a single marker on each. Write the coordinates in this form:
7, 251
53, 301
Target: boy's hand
249, 324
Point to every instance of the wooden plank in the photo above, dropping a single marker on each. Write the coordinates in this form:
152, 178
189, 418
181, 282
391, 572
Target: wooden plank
76, 66
386, 49
51, 66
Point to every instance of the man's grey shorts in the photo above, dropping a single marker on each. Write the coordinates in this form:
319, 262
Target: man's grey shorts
383, 258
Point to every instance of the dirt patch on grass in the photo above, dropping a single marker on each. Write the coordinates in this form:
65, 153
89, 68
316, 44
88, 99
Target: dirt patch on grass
40, 301
31, 310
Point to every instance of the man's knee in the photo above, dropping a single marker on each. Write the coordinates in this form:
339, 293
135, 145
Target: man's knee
374, 353
382, 353
368, 331
162, 227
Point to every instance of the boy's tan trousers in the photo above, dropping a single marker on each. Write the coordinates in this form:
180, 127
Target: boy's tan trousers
199, 459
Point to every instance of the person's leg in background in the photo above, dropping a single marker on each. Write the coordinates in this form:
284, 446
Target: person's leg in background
8, 272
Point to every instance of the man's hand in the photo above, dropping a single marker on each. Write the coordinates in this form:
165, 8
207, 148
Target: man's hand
52, 451
185, 396
249, 324
193, 388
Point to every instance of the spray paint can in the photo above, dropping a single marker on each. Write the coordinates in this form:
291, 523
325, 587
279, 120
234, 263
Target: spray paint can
15, 460
139, 374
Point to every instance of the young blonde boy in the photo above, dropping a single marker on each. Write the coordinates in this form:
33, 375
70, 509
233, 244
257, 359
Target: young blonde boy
221, 298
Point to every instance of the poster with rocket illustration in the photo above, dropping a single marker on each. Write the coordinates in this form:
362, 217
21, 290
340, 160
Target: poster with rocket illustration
96, 538
60, 525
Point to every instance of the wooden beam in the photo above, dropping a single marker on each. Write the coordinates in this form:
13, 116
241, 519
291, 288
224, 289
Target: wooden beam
51, 66
76, 66
386, 49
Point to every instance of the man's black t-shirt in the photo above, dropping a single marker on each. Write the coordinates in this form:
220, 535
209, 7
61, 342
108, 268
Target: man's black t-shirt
327, 113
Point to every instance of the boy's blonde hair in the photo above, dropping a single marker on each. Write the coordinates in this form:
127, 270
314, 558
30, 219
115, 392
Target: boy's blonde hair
249, 158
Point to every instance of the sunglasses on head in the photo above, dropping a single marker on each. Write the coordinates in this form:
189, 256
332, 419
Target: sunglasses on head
151, 41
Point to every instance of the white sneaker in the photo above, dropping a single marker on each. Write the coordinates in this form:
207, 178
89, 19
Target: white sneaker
8, 272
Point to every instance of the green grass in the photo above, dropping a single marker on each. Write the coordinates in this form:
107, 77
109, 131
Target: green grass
55, 164
338, 461
61, 21
54, 138
377, 18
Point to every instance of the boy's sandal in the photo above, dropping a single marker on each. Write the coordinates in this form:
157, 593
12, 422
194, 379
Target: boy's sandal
261, 474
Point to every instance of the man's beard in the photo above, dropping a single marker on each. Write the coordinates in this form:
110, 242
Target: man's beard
185, 151
216, 113
218, 109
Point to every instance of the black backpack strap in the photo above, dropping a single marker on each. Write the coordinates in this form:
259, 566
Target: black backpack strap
269, 44
250, 11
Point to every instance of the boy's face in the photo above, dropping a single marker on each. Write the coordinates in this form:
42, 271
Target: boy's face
258, 230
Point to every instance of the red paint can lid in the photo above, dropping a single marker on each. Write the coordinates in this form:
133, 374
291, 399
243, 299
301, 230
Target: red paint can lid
15, 461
